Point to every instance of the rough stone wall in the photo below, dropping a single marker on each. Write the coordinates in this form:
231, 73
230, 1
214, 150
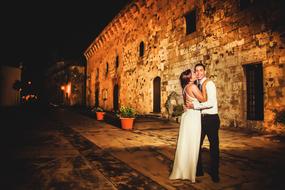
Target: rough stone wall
226, 38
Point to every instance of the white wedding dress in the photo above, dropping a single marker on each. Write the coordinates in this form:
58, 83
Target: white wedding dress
188, 144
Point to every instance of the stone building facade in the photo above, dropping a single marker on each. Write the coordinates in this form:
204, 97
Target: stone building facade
137, 59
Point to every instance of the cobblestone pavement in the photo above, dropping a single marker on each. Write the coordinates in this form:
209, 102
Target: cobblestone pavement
73, 151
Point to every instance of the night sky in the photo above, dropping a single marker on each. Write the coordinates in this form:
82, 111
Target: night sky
37, 32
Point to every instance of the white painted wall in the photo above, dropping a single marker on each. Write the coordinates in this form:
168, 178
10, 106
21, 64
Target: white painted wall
8, 95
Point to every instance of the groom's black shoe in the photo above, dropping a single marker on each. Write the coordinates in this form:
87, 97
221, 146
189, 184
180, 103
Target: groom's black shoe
198, 174
215, 179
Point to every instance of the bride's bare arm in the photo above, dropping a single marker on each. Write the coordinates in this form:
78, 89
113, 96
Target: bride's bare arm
201, 96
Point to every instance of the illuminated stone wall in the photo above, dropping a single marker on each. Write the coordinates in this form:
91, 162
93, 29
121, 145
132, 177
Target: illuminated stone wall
227, 37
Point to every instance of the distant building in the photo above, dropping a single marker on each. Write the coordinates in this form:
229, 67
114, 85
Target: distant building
9, 77
65, 83
137, 59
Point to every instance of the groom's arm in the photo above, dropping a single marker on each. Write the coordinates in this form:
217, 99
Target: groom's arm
211, 97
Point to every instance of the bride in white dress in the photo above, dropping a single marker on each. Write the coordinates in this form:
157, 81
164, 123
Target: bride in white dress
188, 143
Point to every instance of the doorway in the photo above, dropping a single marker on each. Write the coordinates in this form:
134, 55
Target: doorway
116, 97
97, 98
254, 91
156, 95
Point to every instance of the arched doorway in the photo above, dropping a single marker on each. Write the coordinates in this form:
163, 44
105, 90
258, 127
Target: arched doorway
97, 97
116, 98
156, 95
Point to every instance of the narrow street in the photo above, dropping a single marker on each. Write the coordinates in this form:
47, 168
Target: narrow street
62, 149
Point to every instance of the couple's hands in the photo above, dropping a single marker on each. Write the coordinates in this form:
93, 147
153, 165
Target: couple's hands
188, 105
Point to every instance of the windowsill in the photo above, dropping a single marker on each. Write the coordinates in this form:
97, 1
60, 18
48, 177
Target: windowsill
190, 37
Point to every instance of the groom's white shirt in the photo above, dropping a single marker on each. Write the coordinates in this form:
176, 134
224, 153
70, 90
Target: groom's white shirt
211, 105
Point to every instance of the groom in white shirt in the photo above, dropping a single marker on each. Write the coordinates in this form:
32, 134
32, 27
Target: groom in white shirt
210, 122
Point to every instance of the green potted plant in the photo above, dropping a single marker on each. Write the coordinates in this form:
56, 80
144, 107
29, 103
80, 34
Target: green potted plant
99, 113
177, 112
127, 116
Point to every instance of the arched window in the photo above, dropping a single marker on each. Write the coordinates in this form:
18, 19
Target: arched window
116, 97
107, 69
117, 61
141, 49
97, 73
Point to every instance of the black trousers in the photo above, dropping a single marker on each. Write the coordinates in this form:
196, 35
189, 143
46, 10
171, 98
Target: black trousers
210, 127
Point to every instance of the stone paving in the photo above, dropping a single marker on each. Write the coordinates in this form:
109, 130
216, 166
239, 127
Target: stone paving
66, 150
248, 161
35, 156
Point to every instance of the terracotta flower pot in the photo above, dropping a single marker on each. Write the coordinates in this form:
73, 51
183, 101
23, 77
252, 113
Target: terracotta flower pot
100, 116
127, 123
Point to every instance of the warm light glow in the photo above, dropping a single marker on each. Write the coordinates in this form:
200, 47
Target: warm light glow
29, 96
105, 94
68, 89
29, 82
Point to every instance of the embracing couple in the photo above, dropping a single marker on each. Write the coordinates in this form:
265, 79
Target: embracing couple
199, 119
